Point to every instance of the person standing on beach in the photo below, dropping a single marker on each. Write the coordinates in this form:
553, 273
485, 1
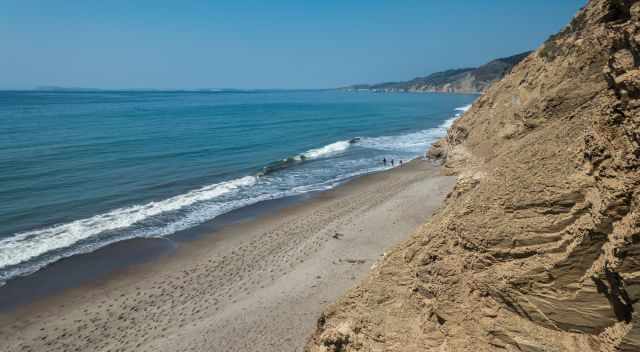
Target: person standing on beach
392, 162
400, 162
384, 161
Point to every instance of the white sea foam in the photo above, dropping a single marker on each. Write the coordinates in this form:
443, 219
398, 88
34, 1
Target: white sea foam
461, 110
27, 252
445, 125
27, 245
327, 150
37, 243
414, 142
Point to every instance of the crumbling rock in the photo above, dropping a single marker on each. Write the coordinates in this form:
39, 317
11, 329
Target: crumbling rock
537, 248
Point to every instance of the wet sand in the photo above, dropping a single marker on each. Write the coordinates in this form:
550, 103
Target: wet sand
252, 285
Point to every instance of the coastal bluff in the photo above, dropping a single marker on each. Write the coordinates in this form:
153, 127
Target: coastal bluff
537, 248
473, 80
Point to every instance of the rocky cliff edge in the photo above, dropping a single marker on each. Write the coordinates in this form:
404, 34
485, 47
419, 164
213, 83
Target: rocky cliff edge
538, 246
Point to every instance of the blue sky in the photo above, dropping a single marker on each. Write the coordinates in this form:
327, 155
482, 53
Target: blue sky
260, 44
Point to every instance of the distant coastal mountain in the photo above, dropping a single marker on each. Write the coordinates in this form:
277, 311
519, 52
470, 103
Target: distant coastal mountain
464, 80
83, 89
65, 89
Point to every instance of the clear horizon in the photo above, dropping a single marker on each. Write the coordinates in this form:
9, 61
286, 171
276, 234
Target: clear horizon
251, 45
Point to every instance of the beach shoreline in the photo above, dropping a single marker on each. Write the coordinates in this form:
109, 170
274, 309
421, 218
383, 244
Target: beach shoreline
257, 282
106, 262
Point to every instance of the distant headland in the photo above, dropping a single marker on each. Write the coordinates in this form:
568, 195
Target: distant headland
462, 80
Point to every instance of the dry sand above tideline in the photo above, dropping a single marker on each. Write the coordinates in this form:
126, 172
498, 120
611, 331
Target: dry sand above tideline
259, 285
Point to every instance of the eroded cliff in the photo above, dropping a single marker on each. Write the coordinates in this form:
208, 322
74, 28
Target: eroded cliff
538, 246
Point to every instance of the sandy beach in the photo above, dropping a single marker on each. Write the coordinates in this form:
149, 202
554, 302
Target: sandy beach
256, 285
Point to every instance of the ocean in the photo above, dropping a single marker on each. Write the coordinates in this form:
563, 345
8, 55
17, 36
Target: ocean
81, 170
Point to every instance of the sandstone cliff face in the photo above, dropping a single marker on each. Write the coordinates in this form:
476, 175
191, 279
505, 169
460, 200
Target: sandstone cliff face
538, 246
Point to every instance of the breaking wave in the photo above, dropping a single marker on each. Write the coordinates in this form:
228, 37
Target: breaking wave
327, 150
25, 246
416, 142
323, 152
27, 252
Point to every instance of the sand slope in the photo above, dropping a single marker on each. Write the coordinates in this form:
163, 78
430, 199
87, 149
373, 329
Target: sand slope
537, 248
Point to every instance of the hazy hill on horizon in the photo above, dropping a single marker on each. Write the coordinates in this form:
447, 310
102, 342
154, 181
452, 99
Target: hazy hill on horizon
461, 80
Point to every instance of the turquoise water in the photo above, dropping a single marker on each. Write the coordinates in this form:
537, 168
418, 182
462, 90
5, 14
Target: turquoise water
80, 170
